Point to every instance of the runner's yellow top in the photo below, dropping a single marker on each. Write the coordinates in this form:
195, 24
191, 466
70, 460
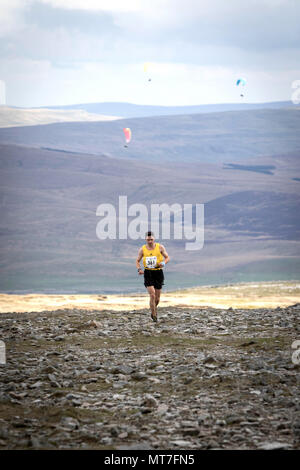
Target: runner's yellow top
151, 258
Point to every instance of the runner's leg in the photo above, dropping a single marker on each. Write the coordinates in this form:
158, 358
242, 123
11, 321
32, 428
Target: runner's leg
157, 296
151, 292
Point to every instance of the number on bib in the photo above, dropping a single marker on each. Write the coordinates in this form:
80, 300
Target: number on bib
151, 262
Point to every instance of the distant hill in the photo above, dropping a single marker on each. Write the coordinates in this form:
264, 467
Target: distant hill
12, 117
129, 110
48, 202
229, 137
257, 213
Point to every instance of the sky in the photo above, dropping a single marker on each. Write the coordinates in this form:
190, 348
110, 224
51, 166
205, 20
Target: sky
63, 52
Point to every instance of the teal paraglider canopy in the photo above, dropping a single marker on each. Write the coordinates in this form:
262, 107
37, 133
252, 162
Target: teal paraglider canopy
241, 82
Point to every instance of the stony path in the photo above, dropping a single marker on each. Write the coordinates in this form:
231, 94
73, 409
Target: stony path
198, 379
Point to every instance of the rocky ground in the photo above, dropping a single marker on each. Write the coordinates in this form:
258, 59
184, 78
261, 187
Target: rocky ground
201, 378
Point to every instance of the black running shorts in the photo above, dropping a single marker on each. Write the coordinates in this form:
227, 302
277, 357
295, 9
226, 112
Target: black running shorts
154, 278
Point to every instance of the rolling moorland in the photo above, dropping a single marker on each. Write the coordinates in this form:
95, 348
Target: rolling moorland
129, 110
12, 117
242, 165
226, 137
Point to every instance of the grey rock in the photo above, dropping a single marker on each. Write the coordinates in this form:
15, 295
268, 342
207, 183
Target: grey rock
59, 338
139, 376
233, 419
51, 377
137, 446
37, 384
35, 442
180, 443
76, 402
69, 423
3, 433
11, 387
274, 446
149, 401
71, 396
106, 440
193, 431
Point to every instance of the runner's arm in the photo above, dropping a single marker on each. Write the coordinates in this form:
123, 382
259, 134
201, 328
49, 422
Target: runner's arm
164, 253
139, 257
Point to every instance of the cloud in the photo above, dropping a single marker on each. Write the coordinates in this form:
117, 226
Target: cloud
97, 5
263, 23
12, 16
201, 32
197, 49
256, 24
46, 18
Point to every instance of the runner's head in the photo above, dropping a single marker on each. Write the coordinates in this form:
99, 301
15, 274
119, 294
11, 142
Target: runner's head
149, 238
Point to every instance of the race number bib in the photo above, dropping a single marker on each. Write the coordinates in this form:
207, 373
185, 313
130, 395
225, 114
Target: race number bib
151, 262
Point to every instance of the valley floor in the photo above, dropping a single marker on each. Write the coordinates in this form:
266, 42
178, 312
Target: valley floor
246, 295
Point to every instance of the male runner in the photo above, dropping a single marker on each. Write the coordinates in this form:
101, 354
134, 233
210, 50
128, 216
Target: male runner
153, 255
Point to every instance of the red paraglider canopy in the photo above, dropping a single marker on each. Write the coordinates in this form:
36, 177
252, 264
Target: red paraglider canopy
127, 133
